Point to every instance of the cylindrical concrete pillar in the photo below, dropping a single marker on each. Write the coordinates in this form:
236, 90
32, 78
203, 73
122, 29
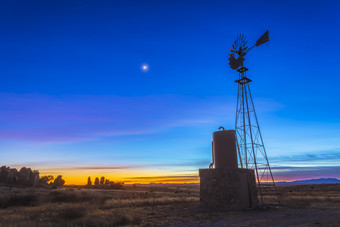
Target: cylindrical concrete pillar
224, 149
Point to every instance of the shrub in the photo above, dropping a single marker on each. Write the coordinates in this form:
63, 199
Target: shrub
19, 200
63, 197
59, 181
123, 219
46, 179
76, 197
70, 213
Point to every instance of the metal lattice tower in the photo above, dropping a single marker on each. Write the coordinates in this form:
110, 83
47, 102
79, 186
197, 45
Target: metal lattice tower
251, 150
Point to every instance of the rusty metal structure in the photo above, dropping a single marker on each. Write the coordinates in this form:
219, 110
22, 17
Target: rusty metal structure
250, 147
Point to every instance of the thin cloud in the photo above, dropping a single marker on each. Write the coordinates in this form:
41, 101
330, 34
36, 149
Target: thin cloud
49, 119
172, 180
61, 165
70, 119
162, 177
100, 167
299, 173
331, 156
165, 179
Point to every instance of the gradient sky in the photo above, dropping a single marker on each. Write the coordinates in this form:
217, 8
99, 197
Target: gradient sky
74, 100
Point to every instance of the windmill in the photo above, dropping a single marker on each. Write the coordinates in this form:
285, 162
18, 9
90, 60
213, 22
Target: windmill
250, 147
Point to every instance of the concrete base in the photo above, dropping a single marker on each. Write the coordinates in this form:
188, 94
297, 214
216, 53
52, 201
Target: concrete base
233, 189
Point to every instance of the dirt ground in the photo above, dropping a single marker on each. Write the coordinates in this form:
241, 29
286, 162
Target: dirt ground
305, 205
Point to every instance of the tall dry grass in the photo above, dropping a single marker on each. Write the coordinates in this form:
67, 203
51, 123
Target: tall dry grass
86, 207
142, 206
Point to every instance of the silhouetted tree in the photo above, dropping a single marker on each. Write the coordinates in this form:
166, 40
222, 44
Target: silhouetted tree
102, 180
46, 179
58, 182
107, 181
116, 184
96, 181
89, 182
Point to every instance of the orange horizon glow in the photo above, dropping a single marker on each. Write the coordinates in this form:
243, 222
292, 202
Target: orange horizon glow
132, 178
76, 177
79, 175
82, 180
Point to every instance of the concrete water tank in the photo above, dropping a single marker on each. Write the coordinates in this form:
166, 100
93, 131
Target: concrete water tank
227, 186
224, 149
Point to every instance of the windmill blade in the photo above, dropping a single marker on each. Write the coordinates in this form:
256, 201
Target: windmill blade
264, 38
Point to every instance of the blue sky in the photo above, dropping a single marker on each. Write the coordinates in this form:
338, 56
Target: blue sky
73, 95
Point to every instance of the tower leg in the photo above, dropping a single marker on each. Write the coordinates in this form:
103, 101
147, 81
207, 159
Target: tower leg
251, 149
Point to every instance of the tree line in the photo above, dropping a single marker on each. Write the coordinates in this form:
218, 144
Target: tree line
103, 183
26, 177
50, 180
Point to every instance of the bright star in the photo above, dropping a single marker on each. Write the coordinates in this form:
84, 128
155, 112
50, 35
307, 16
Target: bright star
145, 68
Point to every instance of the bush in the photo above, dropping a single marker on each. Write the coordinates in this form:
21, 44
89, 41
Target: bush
19, 200
70, 213
46, 179
127, 220
66, 197
59, 182
76, 197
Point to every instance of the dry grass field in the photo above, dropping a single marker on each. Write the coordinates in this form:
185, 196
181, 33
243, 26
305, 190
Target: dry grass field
307, 205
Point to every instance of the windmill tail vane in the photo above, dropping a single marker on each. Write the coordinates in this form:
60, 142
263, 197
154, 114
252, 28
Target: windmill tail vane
263, 39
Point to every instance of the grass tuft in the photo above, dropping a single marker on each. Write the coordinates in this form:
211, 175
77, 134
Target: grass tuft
19, 200
70, 212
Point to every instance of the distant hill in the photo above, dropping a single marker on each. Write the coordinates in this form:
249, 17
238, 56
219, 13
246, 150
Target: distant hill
298, 182
169, 184
312, 181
